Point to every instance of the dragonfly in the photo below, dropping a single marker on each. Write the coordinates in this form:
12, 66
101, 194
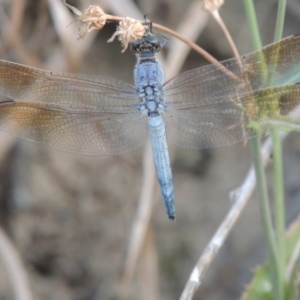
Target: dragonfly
210, 106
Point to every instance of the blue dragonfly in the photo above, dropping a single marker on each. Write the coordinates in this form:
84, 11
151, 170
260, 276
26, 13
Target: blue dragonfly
207, 107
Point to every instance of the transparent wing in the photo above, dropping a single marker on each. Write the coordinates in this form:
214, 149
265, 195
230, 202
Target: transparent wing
73, 113
223, 121
209, 104
281, 60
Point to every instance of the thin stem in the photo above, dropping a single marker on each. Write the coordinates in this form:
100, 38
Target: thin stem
253, 24
15, 269
239, 198
293, 264
198, 49
99, 21
280, 20
140, 224
279, 204
275, 274
266, 218
278, 170
219, 20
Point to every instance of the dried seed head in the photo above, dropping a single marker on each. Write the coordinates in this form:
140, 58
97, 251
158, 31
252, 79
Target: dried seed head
128, 30
92, 18
211, 4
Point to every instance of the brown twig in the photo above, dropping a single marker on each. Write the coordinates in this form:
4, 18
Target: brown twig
294, 258
13, 39
95, 18
15, 269
190, 26
149, 267
240, 198
140, 224
199, 50
219, 20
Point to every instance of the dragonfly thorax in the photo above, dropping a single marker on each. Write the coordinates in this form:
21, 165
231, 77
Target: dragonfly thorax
152, 101
149, 76
151, 106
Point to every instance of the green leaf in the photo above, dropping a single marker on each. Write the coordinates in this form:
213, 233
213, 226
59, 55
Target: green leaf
260, 287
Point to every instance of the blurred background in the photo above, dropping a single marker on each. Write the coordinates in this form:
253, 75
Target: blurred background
71, 217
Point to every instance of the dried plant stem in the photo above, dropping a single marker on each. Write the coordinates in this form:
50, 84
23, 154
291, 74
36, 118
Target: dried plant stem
12, 37
240, 198
195, 47
16, 20
140, 224
293, 263
219, 20
73, 54
191, 25
199, 50
15, 269
148, 268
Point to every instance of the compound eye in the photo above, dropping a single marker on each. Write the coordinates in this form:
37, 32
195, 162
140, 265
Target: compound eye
152, 39
156, 48
135, 46
155, 42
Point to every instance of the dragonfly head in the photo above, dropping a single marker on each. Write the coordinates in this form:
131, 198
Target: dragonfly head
147, 46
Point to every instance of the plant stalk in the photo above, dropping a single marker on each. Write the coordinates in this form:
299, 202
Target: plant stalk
278, 171
275, 269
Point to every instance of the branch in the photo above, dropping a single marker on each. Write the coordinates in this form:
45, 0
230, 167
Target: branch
240, 198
